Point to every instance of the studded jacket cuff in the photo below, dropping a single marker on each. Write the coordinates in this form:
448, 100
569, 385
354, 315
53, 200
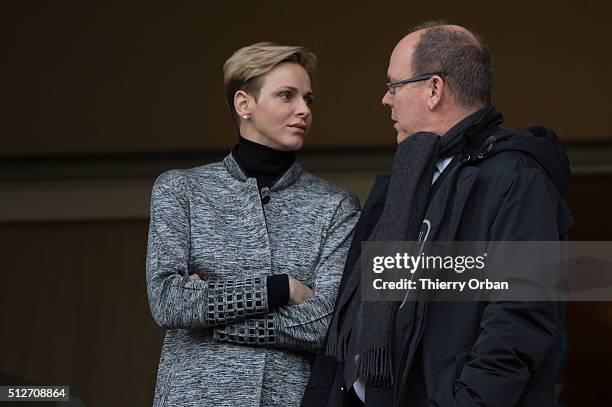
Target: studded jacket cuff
230, 301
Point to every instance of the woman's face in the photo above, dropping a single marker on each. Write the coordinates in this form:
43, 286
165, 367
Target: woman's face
280, 118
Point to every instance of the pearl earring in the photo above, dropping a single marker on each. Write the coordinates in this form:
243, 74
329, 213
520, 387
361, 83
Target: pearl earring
245, 117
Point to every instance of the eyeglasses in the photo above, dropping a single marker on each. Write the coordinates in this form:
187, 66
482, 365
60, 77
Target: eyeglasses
396, 84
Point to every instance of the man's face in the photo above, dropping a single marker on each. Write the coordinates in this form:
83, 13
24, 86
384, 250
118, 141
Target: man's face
408, 105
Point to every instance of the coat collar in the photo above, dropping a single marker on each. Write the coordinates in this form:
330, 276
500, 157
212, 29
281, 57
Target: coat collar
289, 177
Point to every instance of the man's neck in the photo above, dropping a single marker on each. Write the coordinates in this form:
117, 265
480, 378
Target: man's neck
454, 115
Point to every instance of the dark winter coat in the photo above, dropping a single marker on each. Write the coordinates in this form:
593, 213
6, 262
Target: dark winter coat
476, 353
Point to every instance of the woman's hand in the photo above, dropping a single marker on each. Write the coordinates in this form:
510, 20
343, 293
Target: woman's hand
298, 292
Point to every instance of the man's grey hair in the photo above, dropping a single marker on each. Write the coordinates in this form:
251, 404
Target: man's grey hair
464, 59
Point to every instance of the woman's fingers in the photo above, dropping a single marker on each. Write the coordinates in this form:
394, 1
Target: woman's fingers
298, 292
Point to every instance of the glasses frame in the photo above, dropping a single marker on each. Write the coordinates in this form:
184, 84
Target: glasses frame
393, 85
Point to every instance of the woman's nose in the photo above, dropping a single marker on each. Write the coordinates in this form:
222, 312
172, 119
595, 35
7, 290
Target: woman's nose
303, 109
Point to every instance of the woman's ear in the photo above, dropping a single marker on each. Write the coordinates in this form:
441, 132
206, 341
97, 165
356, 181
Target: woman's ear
243, 103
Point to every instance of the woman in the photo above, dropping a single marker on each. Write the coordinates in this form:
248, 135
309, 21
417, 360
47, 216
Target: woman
245, 255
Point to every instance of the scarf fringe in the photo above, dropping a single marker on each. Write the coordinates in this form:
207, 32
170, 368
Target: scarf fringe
375, 367
337, 347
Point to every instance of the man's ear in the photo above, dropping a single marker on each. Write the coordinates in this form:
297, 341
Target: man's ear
243, 103
435, 91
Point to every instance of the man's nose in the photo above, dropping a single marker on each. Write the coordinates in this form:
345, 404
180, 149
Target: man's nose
386, 100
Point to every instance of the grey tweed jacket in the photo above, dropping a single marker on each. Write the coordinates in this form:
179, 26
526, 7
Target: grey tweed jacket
222, 346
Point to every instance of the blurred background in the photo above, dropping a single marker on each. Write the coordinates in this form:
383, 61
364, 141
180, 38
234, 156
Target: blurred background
99, 97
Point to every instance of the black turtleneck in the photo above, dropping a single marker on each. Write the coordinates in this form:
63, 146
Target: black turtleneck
266, 165
263, 163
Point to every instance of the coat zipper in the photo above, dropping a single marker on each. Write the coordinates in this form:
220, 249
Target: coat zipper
413, 350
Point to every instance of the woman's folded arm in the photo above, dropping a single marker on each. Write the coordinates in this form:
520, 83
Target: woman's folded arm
175, 300
303, 326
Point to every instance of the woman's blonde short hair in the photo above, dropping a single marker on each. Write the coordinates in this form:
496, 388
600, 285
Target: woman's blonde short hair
244, 69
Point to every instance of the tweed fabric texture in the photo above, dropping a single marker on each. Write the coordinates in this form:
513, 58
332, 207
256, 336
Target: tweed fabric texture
222, 345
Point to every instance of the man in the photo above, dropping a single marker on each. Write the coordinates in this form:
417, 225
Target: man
456, 177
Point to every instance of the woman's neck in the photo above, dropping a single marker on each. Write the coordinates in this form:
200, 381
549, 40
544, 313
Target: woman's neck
263, 163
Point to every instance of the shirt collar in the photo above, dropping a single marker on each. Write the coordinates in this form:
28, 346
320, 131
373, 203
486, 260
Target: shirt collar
289, 177
442, 164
